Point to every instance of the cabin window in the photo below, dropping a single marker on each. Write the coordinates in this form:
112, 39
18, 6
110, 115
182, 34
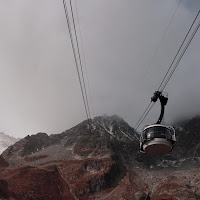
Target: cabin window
157, 132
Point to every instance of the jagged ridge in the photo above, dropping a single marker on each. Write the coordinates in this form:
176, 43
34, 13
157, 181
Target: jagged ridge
100, 163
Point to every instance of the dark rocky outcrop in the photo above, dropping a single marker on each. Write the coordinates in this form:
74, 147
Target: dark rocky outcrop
29, 145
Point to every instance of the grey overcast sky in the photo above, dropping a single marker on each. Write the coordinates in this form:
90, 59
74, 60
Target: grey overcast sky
38, 80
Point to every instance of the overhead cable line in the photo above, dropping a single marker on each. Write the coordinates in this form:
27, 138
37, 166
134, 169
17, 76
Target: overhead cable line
182, 54
147, 109
167, 78
178, 51
147, 112
142, 115
165, 32
75, 58
81, 39
79, 55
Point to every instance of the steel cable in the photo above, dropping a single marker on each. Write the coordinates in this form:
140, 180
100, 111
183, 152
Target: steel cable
143, 115
171, 73
141, 118
75, 58
182, 54
178, 51
81, 66
89, 90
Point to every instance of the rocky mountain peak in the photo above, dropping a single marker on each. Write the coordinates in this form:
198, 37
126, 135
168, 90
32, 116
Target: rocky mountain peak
115, 126
110, 119
100, 162
29, 145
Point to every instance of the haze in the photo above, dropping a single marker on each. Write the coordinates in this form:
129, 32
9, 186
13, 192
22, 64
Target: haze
39, 86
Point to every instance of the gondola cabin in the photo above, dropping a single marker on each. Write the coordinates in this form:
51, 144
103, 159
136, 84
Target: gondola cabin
157, 139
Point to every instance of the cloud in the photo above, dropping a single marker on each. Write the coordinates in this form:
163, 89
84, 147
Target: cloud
191, 5
38, 79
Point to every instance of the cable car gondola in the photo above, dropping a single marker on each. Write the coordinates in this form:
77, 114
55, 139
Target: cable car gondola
157, 139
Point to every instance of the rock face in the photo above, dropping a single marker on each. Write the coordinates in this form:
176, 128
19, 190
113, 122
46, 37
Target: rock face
29, 145
100, 162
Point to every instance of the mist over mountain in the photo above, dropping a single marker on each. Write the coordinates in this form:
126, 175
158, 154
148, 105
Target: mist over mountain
6, 141
101, 162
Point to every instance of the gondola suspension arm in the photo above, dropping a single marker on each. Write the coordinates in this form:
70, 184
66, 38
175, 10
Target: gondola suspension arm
163, 101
